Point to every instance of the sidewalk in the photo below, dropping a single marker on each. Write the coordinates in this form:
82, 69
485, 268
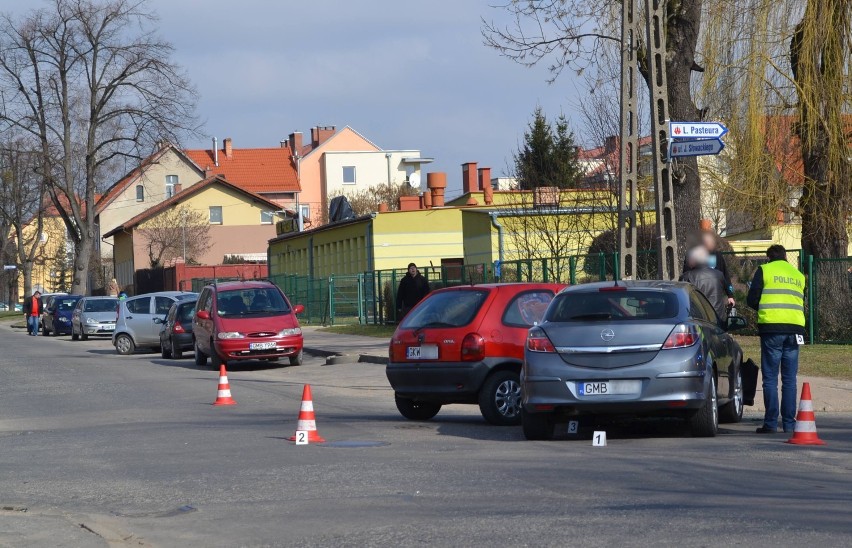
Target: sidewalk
355, 347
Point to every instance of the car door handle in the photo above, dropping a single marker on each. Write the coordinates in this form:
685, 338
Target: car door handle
129, 317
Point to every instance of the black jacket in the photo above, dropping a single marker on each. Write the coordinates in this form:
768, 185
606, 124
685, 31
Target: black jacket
753, 300
28, 306
722, 267
711, 283
411, 291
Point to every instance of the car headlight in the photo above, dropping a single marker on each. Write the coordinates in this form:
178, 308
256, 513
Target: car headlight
91, 320
290, 332
230, 335
65, 320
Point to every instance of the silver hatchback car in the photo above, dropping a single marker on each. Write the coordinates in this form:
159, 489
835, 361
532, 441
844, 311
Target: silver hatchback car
140, 320
93, 316
632, 348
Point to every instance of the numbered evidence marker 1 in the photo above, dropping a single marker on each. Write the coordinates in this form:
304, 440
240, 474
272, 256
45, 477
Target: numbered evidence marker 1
301, 437
573, 427
599, 439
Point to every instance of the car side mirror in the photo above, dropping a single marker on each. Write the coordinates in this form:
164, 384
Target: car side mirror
202, 315
735, 323
159, 321
298, 309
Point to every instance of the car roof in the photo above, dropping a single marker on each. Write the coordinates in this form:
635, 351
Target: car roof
245, 284
164, 294
658, 285
506, 285
99, 298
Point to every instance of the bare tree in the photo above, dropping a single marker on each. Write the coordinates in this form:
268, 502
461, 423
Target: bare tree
367, 200
177, 232
92, 82
22, 200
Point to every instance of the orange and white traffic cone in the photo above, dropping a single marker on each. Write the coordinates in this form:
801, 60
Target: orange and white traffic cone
806, 432
307, 418
223, 396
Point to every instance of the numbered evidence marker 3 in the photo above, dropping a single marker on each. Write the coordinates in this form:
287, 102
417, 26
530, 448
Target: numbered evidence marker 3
599, 439
573, 427
301, 437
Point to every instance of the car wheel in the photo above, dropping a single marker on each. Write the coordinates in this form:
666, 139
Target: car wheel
200, 358
74, 336
55, 331
298, 359
124, 345
416, 410
733, 410
215, 359
83, 336
177, 353
500, 399
44, 330
537, 426
705, 423
165, 352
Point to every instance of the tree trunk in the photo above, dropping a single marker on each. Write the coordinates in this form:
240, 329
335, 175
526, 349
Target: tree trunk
79, 281
27, 271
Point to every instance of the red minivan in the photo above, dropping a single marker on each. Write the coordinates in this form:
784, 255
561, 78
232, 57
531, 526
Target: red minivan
466, 345
248, 320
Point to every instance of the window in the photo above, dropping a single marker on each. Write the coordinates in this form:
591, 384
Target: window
700, 308
266, 217
142, 305
140, 193
637, 304
349, 175
305, 212
215, 215
100, 305
527, 309
171, 181
448, 309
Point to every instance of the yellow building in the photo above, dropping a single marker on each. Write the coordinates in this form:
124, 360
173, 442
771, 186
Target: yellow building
52, 264
240, 224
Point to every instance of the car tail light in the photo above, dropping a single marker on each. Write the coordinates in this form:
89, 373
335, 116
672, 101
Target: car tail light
682, 336
178, 328
473, 348
537, 341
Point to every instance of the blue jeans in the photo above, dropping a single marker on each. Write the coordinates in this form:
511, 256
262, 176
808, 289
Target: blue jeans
779, 350
32, 325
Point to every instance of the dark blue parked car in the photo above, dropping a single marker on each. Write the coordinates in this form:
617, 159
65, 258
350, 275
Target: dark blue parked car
56, 318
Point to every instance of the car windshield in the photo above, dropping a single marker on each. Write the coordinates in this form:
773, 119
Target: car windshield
604, 306
251, 302
101, 305
447, 309
65, 304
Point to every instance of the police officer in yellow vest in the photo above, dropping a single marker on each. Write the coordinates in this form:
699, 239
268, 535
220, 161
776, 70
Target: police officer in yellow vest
777, 293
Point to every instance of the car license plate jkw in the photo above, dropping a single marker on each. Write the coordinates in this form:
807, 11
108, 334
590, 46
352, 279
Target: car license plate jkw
609, 388
262, 346
426, 352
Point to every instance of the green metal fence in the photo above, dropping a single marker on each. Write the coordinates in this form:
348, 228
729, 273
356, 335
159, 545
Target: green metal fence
370, 297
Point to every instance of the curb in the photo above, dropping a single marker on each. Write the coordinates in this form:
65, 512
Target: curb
335, 358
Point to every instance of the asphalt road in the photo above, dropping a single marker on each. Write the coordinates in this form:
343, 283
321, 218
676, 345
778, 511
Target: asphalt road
98, 449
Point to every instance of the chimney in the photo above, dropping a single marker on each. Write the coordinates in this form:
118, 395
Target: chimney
321, 134
284, 143
488, 192
409, 203
426, 199
295, 142
484, 174
383, 207
215, 152
436, 183
610, 144
229, 150
469, 183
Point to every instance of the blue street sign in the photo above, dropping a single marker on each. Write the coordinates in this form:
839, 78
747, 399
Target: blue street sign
696, 130
695, 147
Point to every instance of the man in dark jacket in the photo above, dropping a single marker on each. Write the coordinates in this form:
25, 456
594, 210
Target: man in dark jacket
708, 281
412, 289
715, 260
32, 311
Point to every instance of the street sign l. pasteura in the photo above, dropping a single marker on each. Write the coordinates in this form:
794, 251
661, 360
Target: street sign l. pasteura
696, 130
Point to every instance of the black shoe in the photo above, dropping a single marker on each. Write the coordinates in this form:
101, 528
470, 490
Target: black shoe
766, 430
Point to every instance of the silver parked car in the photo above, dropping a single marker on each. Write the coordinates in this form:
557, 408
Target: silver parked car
140, 320
93, 316
634, 348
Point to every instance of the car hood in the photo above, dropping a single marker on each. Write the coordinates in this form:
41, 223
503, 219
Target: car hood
251, 324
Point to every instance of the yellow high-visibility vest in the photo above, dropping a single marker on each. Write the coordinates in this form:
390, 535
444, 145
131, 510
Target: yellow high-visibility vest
783, 296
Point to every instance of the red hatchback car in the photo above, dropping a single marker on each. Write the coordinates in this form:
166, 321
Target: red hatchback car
249, 320
466, 345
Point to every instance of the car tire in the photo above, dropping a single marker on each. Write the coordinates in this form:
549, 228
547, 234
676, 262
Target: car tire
177, 353
45, 331
200, 358
732, 411
165, 352
74, 336
298, 359
83, 336
55, 331
500, 399
215, 360
124, 345
705, 423
416, 410
537, 426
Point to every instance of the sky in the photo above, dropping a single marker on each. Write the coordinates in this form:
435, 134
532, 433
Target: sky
406, 74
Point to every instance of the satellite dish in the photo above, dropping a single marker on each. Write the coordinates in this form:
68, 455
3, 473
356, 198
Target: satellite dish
414, 180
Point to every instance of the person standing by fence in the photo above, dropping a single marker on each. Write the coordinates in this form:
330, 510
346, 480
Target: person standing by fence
412, 288
113, 289
777, 293
32, 310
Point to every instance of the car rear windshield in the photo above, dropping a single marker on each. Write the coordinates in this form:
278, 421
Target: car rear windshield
447, 309
101, 305
586, 306
185, 313
251, 302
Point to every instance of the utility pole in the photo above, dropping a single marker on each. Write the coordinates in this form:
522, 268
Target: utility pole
653, 25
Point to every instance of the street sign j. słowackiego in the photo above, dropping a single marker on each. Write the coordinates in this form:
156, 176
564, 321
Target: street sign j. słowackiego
696, 138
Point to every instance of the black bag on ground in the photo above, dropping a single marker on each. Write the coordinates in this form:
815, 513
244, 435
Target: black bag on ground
749, 371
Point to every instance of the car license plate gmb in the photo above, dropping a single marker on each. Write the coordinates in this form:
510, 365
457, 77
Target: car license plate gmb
263, 346
429, 352
609, 388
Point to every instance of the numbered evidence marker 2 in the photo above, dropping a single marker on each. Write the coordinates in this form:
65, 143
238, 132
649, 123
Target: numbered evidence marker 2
599, 439
573, 427
301, 437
